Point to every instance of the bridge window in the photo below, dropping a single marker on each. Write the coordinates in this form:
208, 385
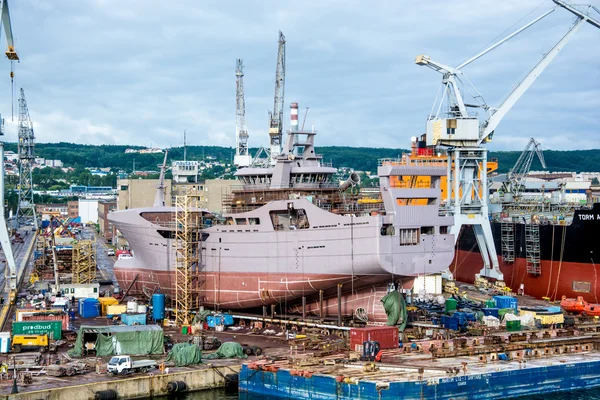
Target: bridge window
409, 237
387, 230
290, 219
427, 230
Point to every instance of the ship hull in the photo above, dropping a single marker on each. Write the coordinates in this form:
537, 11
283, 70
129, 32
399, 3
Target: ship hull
567, 258
235, 290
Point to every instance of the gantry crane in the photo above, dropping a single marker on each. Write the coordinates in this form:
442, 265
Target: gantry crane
454, 124
11, 54
242, 158
26, 205
276, 116
522, 166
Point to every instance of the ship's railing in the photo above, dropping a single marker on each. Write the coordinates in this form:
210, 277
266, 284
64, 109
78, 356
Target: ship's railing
408, 162
267, 186
348, 208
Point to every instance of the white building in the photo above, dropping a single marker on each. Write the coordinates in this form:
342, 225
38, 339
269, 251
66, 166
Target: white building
11, 156
53, 163
185, 171
88, 210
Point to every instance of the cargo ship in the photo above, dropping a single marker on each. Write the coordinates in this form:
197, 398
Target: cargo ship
544, 250
291, 230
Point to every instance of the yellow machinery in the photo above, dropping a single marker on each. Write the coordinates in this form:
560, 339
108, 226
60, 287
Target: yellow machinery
450, 287
34, 277
481, 282
30, 342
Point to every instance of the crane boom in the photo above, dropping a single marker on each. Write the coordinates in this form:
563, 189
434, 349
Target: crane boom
490, 125
276, 117
11, 53
241, 158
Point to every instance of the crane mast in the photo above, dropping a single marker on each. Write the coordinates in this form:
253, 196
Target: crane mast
241, 158
453, 123
521, 168
276, 116
11, 54
26, 205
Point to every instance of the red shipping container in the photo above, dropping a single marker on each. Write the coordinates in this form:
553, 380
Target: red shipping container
48, 317
387, 336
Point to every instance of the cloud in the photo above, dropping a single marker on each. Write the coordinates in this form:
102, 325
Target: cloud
140, 72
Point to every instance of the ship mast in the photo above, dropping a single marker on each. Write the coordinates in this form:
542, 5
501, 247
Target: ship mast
159, 197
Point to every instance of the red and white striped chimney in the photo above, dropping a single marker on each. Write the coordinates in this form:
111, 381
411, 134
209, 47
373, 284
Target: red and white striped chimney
294, 117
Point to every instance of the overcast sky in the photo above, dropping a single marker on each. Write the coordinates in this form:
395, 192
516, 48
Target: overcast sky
141, 71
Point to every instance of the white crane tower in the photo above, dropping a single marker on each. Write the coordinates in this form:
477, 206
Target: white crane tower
26, 205
276, 116
452, 124
11, 54
242, 158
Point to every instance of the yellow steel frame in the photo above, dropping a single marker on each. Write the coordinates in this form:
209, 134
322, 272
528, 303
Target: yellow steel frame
84, 261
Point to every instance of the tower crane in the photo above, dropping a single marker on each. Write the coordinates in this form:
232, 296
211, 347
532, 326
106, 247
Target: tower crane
523, 165
11, 54
276, 116
26, 205
241, 158
454, 124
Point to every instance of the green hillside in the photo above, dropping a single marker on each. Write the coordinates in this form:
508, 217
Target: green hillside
358, 158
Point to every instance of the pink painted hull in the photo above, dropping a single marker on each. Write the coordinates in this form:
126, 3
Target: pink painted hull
240, 291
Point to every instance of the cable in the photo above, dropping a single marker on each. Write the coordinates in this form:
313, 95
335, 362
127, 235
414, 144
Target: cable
506, 30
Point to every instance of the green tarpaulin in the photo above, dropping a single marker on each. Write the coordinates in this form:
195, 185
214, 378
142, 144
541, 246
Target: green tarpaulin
183, 354
228, 350
395, 308
116, 340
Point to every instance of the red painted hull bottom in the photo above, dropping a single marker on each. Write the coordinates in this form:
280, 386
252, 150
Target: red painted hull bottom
557, 278
243, 291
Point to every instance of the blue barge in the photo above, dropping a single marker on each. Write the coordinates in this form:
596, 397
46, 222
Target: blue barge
427, 379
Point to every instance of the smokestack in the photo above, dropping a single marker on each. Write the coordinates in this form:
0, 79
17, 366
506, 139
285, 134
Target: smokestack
294, 117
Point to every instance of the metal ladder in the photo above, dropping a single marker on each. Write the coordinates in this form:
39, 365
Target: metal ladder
508, 242
532, 246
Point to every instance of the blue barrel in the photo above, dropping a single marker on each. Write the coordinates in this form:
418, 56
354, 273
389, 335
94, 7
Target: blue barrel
158, 306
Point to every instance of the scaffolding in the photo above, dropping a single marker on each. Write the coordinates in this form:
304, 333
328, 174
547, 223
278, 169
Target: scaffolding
188, 256
84, 261
508, 242
532, 247
40, 259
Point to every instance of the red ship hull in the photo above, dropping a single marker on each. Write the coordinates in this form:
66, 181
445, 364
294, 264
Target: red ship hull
240, 291
557, 278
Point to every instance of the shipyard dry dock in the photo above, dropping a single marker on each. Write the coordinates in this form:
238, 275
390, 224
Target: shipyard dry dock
458, 369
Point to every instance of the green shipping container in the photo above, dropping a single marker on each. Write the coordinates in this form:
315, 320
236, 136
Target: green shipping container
52, 328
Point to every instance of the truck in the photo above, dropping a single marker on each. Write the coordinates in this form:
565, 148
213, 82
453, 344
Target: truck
123, 365
31, 342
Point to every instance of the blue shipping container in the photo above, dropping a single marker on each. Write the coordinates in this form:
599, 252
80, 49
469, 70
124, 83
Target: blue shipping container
490, 312
220, 319
133, 319
90, 308
506, 302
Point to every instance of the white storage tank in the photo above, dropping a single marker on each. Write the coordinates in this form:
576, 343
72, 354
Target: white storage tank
142, 308
132, 307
